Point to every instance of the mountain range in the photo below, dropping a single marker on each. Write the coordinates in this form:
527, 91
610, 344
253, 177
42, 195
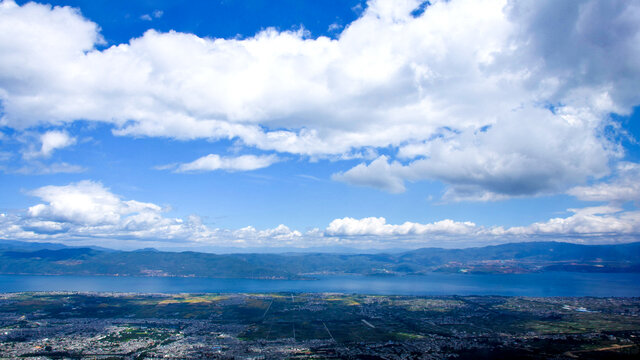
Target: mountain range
55, 259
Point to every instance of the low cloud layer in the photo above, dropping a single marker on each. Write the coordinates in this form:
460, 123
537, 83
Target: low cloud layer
597, 222
87, 210
379, 227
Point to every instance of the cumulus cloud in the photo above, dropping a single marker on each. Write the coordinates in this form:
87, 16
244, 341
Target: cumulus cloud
486, 164
51, 141
378, 226
592, 224
378, 174
495, 98
590, 221
89, 211
214, 162
85, 202
588, 48
278, 236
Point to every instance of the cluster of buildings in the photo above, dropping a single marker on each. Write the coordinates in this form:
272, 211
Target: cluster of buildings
353, 327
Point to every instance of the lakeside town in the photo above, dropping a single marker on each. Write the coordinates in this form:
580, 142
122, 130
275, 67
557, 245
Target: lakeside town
66, 325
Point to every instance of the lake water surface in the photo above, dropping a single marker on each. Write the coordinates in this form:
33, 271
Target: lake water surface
542, 284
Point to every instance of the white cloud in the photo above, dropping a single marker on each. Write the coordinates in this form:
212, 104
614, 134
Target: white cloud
599, 221
278, 236
378, 226
463, 88
88, 211
624, 187
46, 143
85, 202
593, 224
54, 140
499, 161
379, 174
214, 162
36, 148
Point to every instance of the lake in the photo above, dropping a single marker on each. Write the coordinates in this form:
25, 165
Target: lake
539, 284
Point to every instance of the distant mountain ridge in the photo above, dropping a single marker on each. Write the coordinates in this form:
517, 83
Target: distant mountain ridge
54, 259
29, 246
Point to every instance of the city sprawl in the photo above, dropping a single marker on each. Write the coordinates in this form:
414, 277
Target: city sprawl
65, 325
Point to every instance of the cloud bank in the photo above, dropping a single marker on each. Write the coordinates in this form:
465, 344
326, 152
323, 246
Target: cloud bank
494, 98
88, 212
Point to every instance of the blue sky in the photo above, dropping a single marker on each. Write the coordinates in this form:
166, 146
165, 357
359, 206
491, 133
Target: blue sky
319, 124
